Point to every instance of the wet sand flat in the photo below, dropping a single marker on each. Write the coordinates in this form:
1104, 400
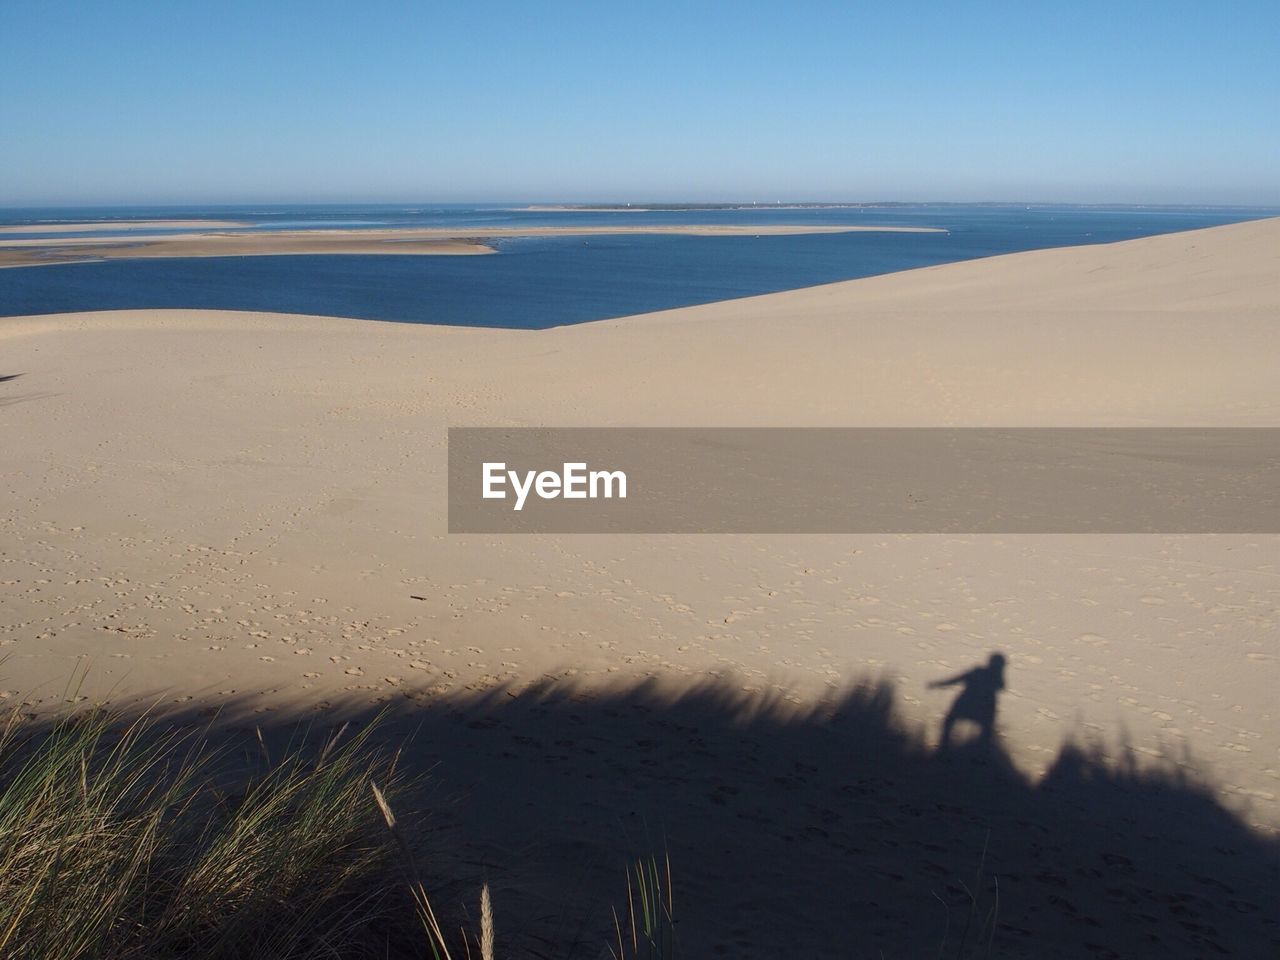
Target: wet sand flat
114, 226
409, 241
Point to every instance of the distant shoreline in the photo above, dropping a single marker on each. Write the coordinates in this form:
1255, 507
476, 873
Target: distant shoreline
105, 226
871, 205
693, 207
437, 241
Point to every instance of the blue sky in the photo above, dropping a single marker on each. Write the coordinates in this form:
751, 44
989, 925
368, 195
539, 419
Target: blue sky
229, 101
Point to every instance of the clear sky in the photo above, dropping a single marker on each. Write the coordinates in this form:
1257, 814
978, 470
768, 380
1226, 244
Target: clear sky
123, 101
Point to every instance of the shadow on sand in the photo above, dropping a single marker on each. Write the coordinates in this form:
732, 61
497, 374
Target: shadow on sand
829, 831
20, 397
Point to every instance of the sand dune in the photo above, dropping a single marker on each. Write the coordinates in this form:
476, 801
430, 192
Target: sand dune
247, 506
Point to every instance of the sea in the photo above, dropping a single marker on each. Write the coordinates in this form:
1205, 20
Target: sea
544, 281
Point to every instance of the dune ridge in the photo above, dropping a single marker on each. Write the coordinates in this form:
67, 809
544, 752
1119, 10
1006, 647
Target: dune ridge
251, 506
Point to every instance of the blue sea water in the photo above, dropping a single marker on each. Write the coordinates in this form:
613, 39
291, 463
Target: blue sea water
537, 282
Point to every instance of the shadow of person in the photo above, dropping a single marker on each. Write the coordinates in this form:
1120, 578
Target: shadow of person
975, 703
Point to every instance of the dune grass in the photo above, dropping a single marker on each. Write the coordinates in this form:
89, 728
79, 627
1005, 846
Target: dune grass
129, 840
648, 930
116, 842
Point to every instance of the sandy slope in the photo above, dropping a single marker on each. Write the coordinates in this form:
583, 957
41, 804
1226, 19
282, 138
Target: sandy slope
206, 503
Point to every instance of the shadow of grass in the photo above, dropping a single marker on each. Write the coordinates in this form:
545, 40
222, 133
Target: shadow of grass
800, 831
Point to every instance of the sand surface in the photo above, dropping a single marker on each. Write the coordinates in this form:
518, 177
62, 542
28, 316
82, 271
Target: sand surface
411, 240
218, 507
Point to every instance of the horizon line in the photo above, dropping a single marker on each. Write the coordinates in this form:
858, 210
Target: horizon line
623, 203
